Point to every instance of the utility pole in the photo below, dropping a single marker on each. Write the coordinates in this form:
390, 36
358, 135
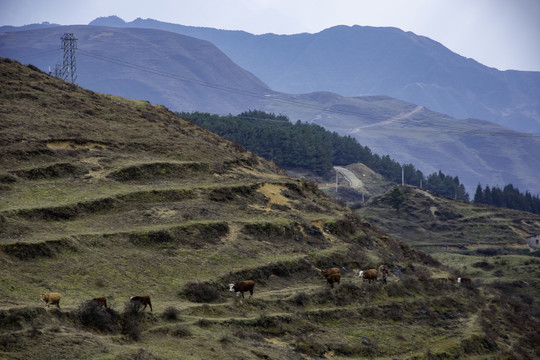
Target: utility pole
402, 176
69, 65
336, 181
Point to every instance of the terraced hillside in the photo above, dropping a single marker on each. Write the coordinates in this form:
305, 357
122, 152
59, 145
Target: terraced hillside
102, 196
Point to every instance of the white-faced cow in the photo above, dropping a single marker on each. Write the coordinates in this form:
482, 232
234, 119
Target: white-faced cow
242, 287
368, 275
141, 300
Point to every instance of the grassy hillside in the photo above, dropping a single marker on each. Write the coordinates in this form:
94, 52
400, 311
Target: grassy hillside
428, 220
103, 196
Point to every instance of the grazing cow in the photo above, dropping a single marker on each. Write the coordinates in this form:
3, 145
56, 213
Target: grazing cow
368, 275
464, 280
327, 272
334, 278
100, 301
242, 287
51, 299
141, 300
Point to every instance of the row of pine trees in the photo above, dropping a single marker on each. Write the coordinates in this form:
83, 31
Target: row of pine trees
509, 197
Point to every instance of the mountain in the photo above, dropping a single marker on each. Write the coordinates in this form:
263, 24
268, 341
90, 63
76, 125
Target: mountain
158, 66
186, 74
363, 60
109, 197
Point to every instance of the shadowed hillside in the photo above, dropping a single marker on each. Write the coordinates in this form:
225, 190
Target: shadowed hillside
108, 197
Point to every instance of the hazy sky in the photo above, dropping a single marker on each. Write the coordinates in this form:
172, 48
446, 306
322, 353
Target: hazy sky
504, 34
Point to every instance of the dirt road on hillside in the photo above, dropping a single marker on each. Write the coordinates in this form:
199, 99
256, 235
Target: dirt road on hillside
391, 120
355, 182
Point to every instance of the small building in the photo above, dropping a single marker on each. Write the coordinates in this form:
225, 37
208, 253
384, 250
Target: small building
534, 241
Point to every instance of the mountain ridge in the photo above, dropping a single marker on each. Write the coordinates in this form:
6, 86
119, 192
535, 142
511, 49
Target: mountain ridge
463, 87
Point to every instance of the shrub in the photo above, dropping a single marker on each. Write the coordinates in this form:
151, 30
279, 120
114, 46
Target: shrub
301, 299
94, 316
131, 326
181, 331
201, 292
270, 325
171, 313
245, 335
484, 265
142, 354
309, 346
204, 323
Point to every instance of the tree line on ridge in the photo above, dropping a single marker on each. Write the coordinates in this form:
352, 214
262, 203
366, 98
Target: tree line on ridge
310, 146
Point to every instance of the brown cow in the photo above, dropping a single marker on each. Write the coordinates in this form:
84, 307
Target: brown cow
141, 300
334, 278
101, 301
330, 271
243, 286
464, 280
51, 299
369, 275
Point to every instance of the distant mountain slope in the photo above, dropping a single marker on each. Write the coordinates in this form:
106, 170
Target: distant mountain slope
358, 60
474, 150
177, 71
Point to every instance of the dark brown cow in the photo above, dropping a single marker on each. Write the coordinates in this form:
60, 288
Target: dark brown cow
101, 301
369, 275
242, 287
464, 280
327, 272
141, 300
334, 278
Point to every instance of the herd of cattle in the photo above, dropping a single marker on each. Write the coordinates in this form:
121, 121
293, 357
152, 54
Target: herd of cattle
332, 276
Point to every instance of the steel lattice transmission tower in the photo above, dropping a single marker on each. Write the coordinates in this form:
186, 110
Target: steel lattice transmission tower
69, 64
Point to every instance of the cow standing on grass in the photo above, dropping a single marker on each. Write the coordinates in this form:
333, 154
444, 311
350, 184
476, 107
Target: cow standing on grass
330, 271
333, 279
51, 299
242, 287
141, 300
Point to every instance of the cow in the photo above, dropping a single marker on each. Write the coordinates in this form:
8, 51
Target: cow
368, 275
330, 271
242, 287
334, 278
464, 280
51, 299
141, 300
100, 301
